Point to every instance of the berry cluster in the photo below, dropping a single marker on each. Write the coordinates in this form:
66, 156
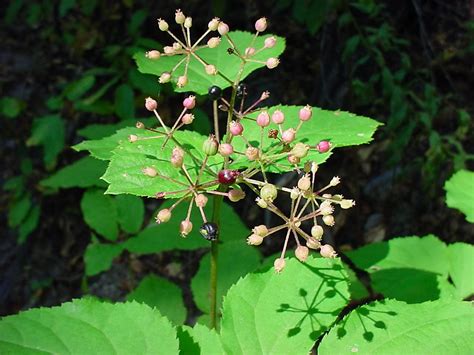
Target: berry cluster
315, 206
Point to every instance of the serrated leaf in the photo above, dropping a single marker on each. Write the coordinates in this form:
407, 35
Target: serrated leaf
100, 213
125, 171
227, 64
199, 340
165, 236
230, 271
48, 132
460, 193
461, 265
342, 129
410, 269
88, 327
124, 104
85, 172
394, 327
161, 294
98, 257
131, 211
284, 313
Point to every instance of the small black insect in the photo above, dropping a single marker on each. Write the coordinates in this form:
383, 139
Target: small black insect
230, 50
241, 90
209, 231
214, 92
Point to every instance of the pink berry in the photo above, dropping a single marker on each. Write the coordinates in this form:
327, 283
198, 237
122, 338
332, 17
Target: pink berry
270, 42
249, 51
188, 118
189, 102
305, 113
236, 128
226, 149
323, 146
185, 227
150, 104
261, 24
288, 136
272, 63
263, 119
153, 54
278, 117
327, 251
223, 28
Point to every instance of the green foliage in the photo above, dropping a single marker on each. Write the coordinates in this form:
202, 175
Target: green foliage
460, 193
414, 269
131, 211
161, 294
287, 312
88, 327
124, 104
48, 132
83, 173
100, 213
230, 270
228, 65
10, 107
199, 340
394, 327
342, 129
99, 257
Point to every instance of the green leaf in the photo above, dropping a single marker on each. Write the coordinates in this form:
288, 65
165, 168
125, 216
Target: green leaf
228, 65
98, 131
283, 313
342, 129
229, 271
162, 237
131, 211
18, 210
77, 89
409, 269
461, 265
147, 84
460, 193
99, 257
88, 327
10, 107
65, 6
125, 171
161, 294
394, 327
48, 132
100, 213
199, 340
85, 172
29, 224
124, 104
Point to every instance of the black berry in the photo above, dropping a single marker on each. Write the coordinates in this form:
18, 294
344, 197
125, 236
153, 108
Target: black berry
230, 50
227, 176
214, 92
209, 231
241, 90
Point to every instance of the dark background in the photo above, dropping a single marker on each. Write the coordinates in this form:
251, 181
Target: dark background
410, 68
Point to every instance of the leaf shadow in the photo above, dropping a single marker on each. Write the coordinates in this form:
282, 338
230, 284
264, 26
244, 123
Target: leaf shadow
313, 301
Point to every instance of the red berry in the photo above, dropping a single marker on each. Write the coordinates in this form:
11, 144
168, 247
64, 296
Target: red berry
227, 176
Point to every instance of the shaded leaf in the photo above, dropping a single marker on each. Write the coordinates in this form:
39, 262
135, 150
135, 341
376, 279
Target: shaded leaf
48, 132
29, 224
77, 89
161, 294
85, 172
10, 107
229, 271
461, 265
100, 213
18, 210
131, 211
98, 257
124, 104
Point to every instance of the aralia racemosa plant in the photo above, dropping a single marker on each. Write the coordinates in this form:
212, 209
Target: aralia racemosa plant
249, 142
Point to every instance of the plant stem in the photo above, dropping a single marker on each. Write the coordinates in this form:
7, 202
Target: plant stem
216, 211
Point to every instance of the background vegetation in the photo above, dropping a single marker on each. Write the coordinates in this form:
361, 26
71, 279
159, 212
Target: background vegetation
66, 74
